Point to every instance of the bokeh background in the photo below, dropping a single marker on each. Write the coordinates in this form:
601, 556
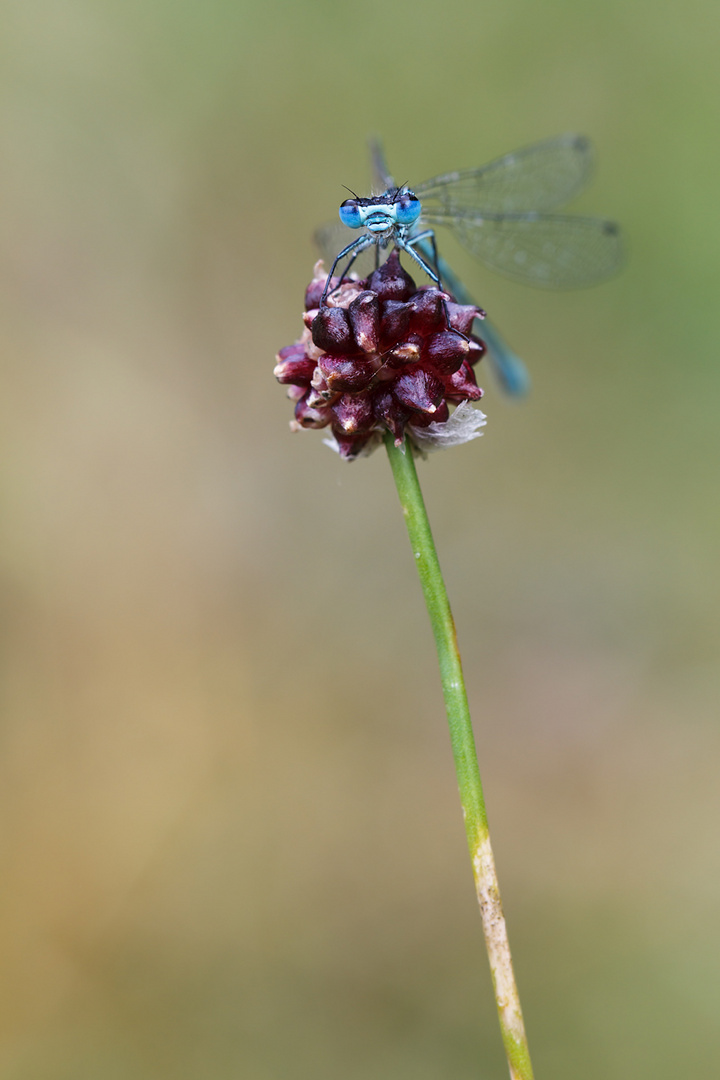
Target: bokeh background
231, 845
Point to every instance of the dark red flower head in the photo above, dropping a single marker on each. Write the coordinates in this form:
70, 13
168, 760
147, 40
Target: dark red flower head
382, 355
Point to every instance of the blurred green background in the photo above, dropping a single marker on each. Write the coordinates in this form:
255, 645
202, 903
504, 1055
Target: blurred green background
231, 844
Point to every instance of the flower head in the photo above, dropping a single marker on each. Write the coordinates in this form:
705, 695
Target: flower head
382, 355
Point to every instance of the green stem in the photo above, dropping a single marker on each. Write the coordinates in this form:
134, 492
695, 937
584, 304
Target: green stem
466, 766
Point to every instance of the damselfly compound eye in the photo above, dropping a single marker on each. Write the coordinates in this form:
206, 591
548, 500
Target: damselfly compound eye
407, 208
350, 214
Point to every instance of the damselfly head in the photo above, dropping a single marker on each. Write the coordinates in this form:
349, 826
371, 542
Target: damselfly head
382, 213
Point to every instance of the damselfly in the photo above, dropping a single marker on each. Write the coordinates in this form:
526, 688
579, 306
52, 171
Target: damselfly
502, 213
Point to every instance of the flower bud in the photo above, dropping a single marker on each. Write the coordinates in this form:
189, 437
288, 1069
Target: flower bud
462, 316
390, 281
382, 355
294, 366
331, 331
419, 389
445, 351
394, 323
346, 373
364, 317
354, 414
463, 386
426, 310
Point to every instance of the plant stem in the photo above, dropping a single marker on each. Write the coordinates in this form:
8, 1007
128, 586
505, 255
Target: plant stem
466, 766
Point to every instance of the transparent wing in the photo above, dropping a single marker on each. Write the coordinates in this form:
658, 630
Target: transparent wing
551, 251
332, 237
382, 180
540, 177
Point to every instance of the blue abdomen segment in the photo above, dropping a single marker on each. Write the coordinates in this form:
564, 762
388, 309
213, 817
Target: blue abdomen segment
508, 368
